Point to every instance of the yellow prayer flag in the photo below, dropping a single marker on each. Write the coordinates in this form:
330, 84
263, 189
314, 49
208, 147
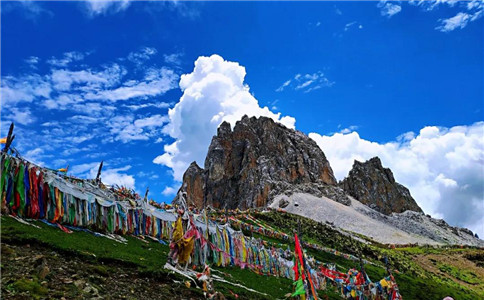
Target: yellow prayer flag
383, 283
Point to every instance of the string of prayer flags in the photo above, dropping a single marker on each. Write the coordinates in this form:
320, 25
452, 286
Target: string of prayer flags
29, 191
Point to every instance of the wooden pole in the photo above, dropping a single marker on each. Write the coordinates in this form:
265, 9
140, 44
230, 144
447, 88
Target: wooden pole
98, 176
5, 149
146, 194
387, 266
362, 265
9, 138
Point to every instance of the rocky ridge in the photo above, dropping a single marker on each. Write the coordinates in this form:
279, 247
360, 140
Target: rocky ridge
372, 184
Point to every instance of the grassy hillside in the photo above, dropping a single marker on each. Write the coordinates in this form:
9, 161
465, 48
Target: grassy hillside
81, 264
422, 272
138, 259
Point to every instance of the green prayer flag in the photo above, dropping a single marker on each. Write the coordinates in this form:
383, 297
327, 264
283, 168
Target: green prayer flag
299, 288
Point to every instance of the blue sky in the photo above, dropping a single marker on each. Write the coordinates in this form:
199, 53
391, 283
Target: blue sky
87, 81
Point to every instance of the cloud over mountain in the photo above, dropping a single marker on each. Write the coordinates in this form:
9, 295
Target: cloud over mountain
214, 92
442, 167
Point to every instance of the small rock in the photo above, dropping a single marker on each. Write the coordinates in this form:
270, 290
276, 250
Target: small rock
42, 269
283, 203
94, 290
90, 290
79, 283
7, 250
38, 257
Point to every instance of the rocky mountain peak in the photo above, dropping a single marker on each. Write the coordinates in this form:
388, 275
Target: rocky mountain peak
224, 129
372, 184
375, 163
256, 161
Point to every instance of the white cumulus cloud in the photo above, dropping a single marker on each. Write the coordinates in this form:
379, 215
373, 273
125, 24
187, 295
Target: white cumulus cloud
103, 7
388, 9
212, 93
429, 5
32, 61
85, 95
14, 90
442, 167
36, 156
109, 176
141, 56
125, 128
168, 191
469, 12
67, 59
458, 21
156, 82
114, 176
20, 115
174, 58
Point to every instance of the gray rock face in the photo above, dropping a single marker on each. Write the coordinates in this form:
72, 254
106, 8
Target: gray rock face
258, 160
372, 184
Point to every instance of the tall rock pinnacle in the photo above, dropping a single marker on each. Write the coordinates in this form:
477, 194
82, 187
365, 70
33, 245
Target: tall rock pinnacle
374, 185
255, 162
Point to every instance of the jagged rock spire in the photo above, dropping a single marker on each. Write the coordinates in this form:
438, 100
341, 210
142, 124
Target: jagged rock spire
375, 186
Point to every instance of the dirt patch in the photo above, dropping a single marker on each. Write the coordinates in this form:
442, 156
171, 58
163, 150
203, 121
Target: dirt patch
456, 267
36, 272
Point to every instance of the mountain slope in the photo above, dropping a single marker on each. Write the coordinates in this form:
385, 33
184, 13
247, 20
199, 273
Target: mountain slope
360, 220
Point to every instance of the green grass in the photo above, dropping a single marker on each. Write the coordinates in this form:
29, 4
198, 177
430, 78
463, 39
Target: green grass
147, 256
413, 281
276, 287
150, 257
432, 288
29, 286
463, 275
